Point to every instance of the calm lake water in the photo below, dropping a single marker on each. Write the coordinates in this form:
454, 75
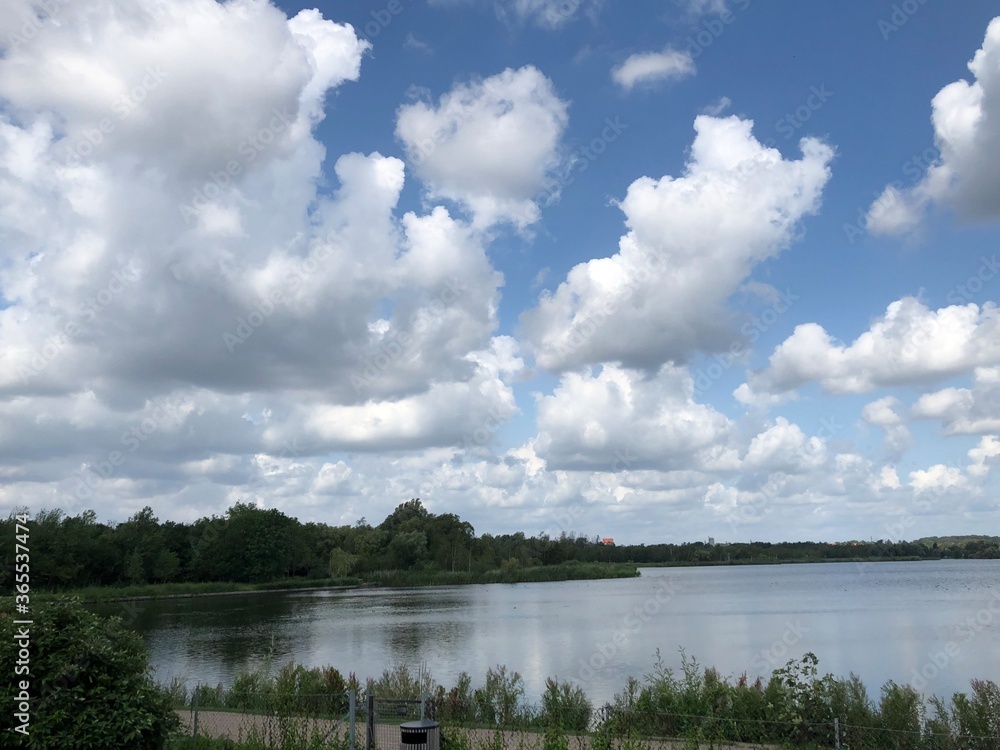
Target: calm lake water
879, 620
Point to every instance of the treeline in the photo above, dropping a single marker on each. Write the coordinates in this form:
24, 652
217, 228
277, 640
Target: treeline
250, 545
699, 553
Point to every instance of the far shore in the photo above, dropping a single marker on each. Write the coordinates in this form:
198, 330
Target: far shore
385, 579
398, 579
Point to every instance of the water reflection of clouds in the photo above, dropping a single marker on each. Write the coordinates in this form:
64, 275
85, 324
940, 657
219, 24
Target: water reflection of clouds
879, 624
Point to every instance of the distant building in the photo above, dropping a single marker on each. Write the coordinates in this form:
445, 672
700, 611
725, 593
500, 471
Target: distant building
711, 541
607, 540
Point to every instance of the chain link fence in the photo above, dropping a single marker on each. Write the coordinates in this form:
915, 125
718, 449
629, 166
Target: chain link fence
383, 717
322, 721
611, 728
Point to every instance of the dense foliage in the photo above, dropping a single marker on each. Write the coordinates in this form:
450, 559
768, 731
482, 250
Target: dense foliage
250, 544
89, 683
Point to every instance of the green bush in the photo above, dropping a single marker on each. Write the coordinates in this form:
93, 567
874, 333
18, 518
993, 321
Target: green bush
971, 722
456, 705
901, 711
90, 684
399, 682
565, 706
499, 700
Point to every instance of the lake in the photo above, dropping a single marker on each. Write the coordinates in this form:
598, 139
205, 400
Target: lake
932, 624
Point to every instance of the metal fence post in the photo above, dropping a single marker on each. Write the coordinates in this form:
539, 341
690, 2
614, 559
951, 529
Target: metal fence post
370, 723
194, 706
351, 706
423, 699
836, 733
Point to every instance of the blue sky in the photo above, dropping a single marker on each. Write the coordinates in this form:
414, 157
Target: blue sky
812, 185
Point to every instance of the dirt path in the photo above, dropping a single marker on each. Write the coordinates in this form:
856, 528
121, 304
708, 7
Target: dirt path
240, 727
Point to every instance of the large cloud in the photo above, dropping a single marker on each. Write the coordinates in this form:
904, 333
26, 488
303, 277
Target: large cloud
692, 242
491, 145
171, 267
965, 411
966, 119
783, 447
621, 419
909, 344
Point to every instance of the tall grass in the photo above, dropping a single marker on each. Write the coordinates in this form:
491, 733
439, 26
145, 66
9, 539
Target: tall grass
795, 706
798, 707
319, 690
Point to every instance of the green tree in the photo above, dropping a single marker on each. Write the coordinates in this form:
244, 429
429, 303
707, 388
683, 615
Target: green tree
449, 541
140, 541
341, 563
166, 566
89, 683
408, 516
206, 552
369, 545
408, 549
256, 544
135, 572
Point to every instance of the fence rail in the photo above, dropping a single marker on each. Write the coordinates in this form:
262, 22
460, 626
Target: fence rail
314, 721
383, 717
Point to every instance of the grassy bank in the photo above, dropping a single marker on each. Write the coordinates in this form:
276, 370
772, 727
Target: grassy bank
396, 578
180, 590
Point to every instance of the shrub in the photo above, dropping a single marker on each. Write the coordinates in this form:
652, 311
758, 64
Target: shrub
457, 704
978, 715
499, 699
90, 683
565, 706
901, 710
399, 682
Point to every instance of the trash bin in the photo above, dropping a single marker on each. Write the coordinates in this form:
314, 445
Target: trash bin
420, 735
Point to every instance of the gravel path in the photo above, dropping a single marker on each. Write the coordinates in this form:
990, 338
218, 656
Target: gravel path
240, 727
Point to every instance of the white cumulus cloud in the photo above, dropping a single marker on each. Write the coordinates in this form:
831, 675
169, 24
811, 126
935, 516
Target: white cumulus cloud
908, 344
490, 145
965, 411
176, 284
653, 67
966, 118
692, 241
619, 418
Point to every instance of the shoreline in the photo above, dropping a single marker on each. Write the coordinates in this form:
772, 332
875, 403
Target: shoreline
200, 594
400, 579
821, 561
393, 579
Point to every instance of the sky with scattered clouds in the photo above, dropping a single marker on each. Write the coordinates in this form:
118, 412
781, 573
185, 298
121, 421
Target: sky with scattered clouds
655, 271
